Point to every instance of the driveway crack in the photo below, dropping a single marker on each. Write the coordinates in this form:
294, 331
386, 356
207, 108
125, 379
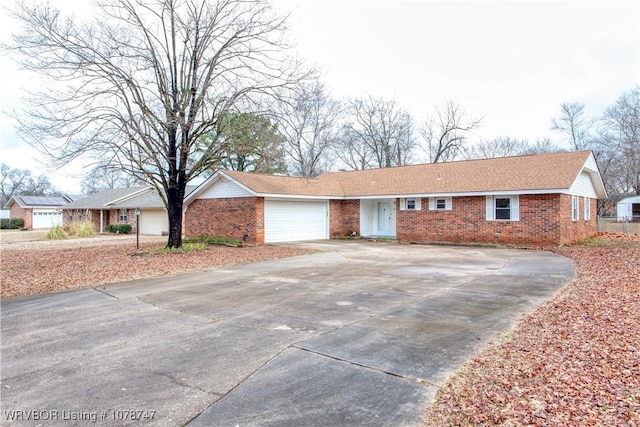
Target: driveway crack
371, 368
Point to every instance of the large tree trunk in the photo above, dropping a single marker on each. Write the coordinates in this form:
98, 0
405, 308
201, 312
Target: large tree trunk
175, 201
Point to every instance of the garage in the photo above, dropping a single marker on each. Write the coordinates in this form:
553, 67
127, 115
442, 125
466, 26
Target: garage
46, 218
288, 221
154, 221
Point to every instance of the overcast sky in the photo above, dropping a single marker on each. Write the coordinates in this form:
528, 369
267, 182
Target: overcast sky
511, 63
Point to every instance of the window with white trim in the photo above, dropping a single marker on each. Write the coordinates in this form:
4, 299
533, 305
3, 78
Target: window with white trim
410, 204
503, 208
124, 215
587, 209
440, 203
575, 203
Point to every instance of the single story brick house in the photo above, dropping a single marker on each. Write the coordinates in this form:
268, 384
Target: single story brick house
532, 200
38, 212
118, 206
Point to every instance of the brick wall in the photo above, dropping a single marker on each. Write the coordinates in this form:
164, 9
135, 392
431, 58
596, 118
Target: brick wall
231, 217
543, 221
18, 212
344, 217
571, 231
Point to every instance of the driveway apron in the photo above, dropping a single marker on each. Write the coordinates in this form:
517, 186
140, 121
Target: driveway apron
359, 333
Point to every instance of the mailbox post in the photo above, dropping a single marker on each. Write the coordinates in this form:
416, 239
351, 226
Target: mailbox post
137, 228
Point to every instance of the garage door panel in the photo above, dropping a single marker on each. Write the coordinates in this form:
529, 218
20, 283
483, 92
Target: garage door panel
154, 222
295, 221
46, 219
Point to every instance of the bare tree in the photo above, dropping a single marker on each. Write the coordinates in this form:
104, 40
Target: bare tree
378, 134
12, 181
145, 79
445, 133
574, 125
309, 122
622, 137
502, 146
107, 176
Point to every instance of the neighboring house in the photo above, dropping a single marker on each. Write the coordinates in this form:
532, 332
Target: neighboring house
118, 206
525, 200
38, 212
629, 209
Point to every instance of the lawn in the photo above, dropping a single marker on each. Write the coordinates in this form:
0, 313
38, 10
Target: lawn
575, 360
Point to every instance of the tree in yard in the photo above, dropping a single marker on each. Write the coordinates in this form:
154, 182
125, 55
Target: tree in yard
143, 81
574, 125
107, 176
309, 122
445, 133
621, 122
12, 181
251, 144
502, 146
378, 134
22, 181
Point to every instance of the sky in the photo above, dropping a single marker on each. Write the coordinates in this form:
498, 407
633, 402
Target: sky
511, 63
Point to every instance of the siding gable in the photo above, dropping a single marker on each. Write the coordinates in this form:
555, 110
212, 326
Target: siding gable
583, 186
224, 189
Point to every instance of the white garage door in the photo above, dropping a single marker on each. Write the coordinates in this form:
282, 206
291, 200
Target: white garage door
294, 221
153, 221
46, 218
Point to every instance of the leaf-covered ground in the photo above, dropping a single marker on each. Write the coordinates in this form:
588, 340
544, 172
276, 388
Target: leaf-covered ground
29, 272
574, 361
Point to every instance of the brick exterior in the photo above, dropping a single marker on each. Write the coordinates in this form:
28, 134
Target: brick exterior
344, 217
111, 216
544, 220
230, 217
25, 213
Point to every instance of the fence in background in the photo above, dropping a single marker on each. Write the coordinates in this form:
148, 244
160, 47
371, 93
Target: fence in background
612, 225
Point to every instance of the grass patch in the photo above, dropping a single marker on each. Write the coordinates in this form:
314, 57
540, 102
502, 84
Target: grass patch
186, 247
57, 233
82, 229
208, 240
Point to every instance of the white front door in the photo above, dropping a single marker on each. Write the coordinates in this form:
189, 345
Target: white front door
384, 219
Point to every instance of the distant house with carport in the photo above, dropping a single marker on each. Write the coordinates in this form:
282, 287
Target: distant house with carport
38, 212
543, 199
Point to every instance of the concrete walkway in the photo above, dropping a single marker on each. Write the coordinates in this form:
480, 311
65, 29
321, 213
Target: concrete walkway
362, 333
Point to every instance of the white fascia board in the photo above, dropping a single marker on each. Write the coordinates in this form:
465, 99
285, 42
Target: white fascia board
463, 194
129, 196
271, 196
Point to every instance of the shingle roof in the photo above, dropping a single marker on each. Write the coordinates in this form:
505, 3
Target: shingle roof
101, 199
122, 198
277, 184
554, 171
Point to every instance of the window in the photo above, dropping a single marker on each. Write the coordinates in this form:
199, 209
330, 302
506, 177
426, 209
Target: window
410, 204
503, 208
124, 215
587, 209
440, 203
575, 215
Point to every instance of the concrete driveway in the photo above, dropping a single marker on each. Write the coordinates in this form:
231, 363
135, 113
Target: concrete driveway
361, 333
